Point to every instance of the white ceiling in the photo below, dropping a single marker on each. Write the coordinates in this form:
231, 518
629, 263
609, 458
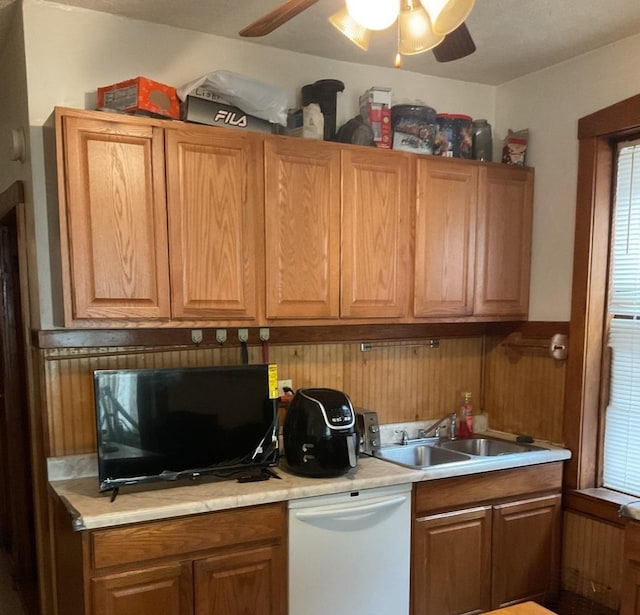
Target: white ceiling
513, 37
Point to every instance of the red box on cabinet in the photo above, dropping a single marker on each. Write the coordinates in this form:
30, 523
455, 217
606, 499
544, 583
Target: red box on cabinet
141, 95
379, 118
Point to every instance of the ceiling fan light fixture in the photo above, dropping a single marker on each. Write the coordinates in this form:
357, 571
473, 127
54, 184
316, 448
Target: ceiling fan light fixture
345, 23
415, 34
374, 14
447, 15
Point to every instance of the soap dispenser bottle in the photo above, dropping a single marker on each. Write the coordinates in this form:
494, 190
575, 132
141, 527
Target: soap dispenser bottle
465, 422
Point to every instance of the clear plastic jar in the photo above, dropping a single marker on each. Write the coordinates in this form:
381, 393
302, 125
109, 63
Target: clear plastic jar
482, 142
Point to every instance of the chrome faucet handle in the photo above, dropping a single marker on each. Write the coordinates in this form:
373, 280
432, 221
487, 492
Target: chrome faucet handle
453, 426
404, 436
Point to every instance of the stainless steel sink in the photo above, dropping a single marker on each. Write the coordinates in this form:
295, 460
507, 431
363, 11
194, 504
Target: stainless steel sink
420, 455
486, 447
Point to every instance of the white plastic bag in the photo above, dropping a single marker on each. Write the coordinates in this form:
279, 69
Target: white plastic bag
262, 100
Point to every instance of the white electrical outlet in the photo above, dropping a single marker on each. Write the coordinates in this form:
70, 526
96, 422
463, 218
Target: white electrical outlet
282, 384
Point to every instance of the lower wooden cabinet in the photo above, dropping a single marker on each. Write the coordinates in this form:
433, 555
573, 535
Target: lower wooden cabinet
451, 562
245, 582
482, 542
165, 589
525, 556
222, 563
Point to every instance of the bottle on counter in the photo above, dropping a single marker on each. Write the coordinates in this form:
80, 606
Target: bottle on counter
465, 418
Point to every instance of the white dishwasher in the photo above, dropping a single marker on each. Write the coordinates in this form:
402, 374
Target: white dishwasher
349, 553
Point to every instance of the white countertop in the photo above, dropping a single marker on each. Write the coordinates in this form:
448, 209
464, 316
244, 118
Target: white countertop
91, 509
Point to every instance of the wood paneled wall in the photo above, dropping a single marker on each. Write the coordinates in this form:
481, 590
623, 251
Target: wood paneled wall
402, 380
524, 392
592, 559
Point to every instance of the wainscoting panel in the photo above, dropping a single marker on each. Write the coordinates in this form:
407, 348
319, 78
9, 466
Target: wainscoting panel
592, 559
524, 392
403, 381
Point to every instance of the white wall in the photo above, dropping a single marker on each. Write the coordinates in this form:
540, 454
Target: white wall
13, 99
70, 52
550, 103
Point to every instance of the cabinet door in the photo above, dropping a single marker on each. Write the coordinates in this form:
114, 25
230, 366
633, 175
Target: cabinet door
302, 218
216, 224
376, 207
451, 563
113, 220
503, 249
248, 582
445, 237
165, 589
526, 551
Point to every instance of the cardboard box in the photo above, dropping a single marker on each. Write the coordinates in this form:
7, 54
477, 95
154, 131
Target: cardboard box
379, 118
202, 111
376, 96
141, 95
375, 108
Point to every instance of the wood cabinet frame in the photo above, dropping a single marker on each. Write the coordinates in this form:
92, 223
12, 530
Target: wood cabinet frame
191, 565
156, 189
480, 518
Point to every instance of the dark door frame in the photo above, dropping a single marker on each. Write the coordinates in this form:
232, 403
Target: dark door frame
16, 444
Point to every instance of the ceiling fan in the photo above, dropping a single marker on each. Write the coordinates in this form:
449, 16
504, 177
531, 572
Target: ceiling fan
448, 45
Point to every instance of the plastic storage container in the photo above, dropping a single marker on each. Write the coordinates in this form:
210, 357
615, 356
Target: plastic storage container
414, 128
454, 138
482, 142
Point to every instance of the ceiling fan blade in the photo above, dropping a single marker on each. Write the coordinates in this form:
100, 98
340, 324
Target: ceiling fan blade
280, 15
456, 45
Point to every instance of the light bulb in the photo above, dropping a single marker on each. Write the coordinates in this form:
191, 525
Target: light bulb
356, 33
415, 34
447, 15
374, 14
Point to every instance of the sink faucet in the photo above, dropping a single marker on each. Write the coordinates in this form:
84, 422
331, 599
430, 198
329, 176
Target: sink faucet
404, 436
453, 424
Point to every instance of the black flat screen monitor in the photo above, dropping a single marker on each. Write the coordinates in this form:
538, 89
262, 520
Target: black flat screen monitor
168, 424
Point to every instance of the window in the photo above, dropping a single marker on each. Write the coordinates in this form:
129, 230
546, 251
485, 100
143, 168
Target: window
597, 157
622, 420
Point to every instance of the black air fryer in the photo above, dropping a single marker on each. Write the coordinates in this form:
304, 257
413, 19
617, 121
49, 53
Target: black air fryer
319, 432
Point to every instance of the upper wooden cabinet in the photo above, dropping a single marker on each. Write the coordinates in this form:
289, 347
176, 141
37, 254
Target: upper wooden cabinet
113, 220
376, 233
216, 228
302, 219
473, 239
160, 222
175, 224
445, 237
337, 231
503, 252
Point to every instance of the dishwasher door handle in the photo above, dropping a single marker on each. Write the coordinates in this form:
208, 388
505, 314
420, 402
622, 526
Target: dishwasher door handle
349, 511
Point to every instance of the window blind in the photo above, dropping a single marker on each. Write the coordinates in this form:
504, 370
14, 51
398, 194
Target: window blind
622, 421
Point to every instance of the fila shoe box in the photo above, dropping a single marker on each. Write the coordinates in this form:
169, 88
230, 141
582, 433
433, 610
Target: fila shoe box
215, 113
